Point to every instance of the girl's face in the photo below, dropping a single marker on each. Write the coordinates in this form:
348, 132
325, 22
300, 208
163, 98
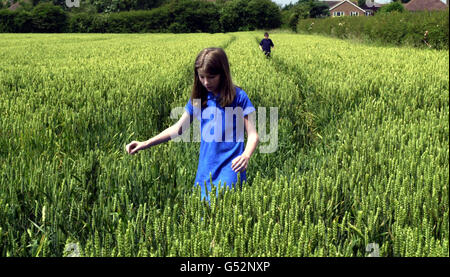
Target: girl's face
210, 82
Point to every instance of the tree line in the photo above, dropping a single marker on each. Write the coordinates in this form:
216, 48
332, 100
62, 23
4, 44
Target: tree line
129, 16
98, 6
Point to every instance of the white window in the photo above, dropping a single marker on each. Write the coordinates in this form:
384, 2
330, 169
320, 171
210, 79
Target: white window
338, 13
368, 13
354, 13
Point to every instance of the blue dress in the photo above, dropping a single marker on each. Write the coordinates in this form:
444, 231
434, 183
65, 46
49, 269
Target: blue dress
222, 139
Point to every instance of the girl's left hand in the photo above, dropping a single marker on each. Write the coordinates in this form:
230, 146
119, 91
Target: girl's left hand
240, 163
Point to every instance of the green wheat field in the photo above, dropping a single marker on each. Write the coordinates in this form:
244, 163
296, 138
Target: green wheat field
362, 157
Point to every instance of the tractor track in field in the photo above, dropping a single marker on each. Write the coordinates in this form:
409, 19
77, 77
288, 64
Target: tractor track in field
299, 79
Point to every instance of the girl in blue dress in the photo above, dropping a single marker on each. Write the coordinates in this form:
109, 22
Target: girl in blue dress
223, 111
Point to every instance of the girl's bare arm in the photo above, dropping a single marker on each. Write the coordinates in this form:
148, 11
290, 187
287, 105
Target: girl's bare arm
241, 162
166, 135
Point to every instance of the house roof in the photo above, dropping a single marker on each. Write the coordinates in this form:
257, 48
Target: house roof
368, 6
14, 6
330, 3
342, 2
420, 5
17, 5
371, 6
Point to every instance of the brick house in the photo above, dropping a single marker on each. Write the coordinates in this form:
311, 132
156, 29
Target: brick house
351, 8
346, 8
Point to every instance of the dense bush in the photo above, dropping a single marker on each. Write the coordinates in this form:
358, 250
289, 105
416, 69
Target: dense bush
239, 15
301, 10
48, 18
391, 28
392, 7
7, 21
193, 16
23, 22
44, 18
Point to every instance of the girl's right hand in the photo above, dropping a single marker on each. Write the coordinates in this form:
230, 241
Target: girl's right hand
133, 147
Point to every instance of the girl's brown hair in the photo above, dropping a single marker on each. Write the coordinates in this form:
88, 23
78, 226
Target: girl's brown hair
213, 61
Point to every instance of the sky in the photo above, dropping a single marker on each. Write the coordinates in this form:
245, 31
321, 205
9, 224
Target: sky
284, 2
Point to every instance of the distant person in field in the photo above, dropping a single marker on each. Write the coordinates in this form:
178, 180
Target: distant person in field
213, 96
425, 39
266, 45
